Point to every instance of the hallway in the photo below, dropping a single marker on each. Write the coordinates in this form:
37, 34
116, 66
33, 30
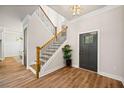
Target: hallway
13, 74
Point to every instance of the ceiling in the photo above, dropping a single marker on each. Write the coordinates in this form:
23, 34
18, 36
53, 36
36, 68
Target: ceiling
18, 10
65, 10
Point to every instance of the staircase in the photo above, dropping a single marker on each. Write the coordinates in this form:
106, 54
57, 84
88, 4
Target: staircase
51, 49
46, 51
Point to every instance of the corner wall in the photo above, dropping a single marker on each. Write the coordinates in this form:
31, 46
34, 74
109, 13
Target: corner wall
109, 21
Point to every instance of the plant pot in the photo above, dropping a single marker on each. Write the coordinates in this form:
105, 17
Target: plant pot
69, 63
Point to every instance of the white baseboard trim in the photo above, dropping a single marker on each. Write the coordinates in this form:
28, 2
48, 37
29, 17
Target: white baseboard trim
32, 69
50, 71
76, 66
116, 77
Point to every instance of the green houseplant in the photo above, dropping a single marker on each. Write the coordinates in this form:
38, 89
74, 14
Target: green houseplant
67, 54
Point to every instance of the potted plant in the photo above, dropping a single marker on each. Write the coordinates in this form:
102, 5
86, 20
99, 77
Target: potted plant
67, 55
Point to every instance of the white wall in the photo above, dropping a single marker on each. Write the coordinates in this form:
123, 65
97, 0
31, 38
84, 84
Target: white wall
11, 22
111, 26
37, 36
12, 46
12, 29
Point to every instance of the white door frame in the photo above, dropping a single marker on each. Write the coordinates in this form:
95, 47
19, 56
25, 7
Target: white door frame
98, 46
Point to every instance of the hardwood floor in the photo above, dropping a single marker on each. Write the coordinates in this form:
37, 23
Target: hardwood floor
13, 74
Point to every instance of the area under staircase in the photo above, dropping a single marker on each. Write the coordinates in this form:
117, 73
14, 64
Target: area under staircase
45, 52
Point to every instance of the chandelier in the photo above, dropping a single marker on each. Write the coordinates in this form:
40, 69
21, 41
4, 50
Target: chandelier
76, 9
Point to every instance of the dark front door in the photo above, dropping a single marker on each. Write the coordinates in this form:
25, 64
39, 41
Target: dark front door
88, 51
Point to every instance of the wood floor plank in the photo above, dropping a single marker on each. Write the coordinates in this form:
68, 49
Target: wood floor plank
13, 74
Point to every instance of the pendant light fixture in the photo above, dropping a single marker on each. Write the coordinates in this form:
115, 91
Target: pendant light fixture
76, 9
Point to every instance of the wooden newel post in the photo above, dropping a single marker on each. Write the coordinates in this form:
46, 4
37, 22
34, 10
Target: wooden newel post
37, 61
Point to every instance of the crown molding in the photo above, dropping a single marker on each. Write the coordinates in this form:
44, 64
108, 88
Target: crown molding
96, 12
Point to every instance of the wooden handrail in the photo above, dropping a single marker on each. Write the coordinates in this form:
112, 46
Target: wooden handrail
52, 38
47, 16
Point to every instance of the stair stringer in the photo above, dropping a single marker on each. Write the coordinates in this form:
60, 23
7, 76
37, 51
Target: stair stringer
54, 63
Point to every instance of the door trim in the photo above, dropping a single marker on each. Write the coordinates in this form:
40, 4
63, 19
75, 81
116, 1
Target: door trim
98, 47
26, 26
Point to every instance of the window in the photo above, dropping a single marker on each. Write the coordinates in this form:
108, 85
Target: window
88, 39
